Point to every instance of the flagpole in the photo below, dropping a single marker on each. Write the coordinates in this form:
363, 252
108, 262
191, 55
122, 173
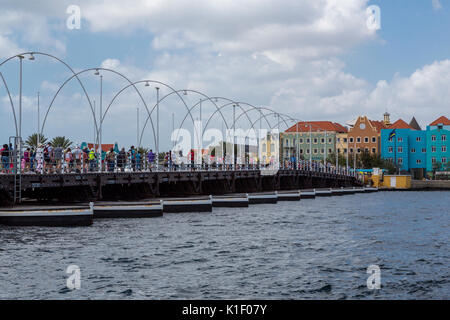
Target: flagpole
395, 151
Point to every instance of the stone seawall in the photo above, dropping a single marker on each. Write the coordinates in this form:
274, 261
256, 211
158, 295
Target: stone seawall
430, 185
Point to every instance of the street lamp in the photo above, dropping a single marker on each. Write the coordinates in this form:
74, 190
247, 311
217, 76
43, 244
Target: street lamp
157, 128
97, 73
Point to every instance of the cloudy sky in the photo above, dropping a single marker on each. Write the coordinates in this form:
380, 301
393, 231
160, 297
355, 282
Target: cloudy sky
313, 60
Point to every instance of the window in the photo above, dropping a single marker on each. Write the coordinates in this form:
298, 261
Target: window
322, 140
315, 140
444, 137
400, 161
307, 151
433, 149
345, 140
374, 150
351, 150
339, 150
366, 139
418, 161
359, 150
418, 139
374, 139
433, 138
315, 151
330, 140
330, 151
390, 149
338, 139
272, 147
413, 150
358, 139
444, 149
345, 150
351, 140
390, 139
301, 140
424, 150
301, 151
400, 139
444, 160
308, 141
433, 160
322, 151
400, 149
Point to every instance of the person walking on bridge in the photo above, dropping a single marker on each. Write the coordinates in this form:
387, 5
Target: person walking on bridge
77, 155
5, 158
92, 158
151, 158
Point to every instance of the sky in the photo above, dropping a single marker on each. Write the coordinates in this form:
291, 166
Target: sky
310, 60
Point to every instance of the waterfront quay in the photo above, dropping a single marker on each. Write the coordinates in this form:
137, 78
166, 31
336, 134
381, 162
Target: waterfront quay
73, 187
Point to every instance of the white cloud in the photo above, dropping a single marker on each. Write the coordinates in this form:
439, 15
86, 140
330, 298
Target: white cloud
436, 4
283, 54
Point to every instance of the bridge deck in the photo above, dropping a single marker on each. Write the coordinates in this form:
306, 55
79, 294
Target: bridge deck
170, 182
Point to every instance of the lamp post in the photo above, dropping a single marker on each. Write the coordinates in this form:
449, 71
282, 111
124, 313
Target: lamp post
18, 144
310, 147
298, 146
346, 159
38, 123
99, 148
234, 136
157, 128
325, 151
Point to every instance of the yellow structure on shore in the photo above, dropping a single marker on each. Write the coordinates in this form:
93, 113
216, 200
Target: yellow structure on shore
390, 181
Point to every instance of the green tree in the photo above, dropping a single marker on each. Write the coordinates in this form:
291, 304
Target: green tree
61, 142
143, 150
32, 140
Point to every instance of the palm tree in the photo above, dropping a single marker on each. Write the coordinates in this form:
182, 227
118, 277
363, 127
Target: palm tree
61, 142
142, 150
32, 140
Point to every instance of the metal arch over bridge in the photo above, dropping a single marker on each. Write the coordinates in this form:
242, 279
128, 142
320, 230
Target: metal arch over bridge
103, 183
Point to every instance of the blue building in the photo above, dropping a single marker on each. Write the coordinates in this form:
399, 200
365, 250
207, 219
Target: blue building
407, 148
438, 146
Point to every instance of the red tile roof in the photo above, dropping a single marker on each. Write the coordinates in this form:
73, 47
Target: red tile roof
444, 120
105, 147
378, 124
400, 124
303, 126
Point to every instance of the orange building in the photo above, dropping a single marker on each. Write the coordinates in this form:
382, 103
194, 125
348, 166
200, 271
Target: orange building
365, 135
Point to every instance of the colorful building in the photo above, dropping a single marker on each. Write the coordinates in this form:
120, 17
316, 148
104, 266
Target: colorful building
314, 140
405, 146
364, 136
438, 146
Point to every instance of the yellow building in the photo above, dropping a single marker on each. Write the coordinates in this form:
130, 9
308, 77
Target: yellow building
342, 143
269, 149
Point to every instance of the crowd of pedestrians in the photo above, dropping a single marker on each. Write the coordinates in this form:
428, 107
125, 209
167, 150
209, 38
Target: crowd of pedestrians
47, 159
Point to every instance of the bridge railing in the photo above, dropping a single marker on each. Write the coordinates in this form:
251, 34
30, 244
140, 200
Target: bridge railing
67, 163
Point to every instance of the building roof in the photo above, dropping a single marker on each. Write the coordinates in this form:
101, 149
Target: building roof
303, 126
441, 120
378, 124
105, 147
413, 123
400, 124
